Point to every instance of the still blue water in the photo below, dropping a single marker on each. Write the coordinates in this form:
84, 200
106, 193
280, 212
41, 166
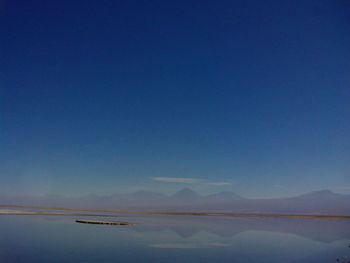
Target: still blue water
166, 239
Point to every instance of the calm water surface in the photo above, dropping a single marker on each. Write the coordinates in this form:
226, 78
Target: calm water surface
173, 239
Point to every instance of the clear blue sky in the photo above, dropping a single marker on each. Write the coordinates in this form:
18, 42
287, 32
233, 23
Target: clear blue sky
118, 96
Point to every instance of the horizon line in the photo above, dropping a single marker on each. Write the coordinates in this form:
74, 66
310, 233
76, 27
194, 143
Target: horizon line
304, 216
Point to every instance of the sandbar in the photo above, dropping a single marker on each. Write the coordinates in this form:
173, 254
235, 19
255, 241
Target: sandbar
99, 222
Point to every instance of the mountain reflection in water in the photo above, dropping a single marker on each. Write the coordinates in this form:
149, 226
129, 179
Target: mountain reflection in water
187, 226
170, 239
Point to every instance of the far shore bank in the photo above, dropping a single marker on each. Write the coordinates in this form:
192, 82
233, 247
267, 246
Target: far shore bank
306, 216
22, 212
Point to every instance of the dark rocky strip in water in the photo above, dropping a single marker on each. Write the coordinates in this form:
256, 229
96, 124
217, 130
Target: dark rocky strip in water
98, 222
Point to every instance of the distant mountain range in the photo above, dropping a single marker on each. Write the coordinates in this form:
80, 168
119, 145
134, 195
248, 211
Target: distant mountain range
322, 202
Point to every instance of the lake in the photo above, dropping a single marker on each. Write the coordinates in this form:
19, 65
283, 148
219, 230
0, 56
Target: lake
31, 238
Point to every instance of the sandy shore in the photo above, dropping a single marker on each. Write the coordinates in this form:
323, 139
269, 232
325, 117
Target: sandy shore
339, 217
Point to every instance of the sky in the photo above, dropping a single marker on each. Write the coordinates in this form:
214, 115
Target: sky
119, 96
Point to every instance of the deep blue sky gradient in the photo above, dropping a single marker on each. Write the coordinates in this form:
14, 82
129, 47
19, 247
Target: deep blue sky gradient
100, 96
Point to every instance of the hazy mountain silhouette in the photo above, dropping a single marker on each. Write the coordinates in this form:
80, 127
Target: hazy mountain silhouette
186, 194
324, 195
318, 202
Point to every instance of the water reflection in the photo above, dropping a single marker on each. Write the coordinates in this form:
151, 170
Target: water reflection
188, 226
169, 239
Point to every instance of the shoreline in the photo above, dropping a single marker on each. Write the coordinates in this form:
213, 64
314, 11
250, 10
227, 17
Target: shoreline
22, 212
305, 216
